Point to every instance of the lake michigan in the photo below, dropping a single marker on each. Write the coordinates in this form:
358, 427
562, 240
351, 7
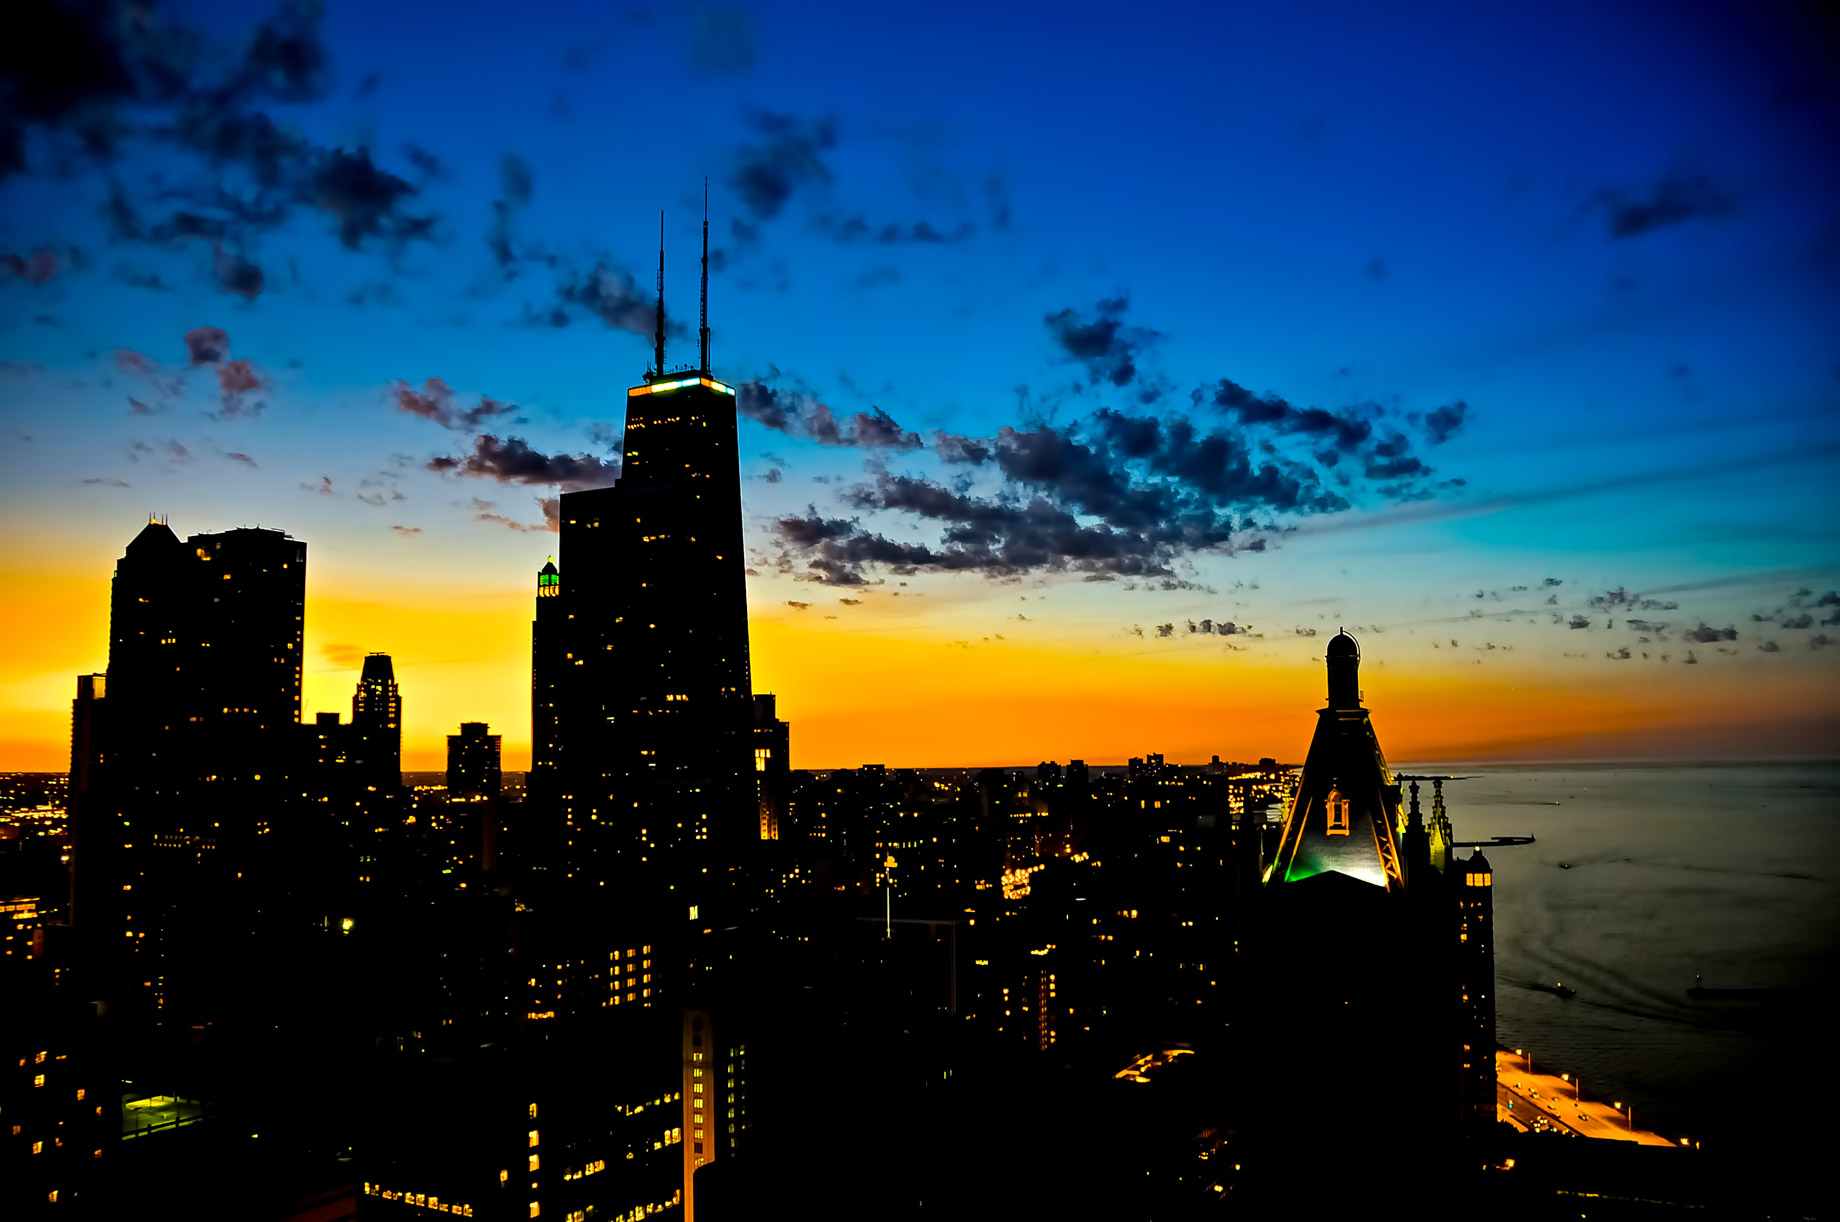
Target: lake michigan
1642, 880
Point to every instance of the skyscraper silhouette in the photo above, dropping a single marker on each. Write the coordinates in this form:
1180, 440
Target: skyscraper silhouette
642, 697
202, 710
376, 723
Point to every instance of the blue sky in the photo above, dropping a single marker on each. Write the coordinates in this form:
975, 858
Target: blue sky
1609, 237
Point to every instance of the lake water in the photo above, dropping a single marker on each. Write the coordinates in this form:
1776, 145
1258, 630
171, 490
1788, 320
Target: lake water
1641, 879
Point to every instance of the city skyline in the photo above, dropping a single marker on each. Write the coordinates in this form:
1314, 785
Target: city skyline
1603, 314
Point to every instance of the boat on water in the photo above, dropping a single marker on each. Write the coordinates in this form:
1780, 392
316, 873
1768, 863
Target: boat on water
1557, 989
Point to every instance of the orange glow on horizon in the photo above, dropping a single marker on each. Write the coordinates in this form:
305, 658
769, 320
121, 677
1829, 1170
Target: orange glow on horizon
889, 685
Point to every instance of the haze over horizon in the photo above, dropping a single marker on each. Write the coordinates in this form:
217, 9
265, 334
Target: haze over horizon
1090, 376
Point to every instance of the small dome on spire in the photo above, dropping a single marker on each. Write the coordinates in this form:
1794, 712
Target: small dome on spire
1341, 645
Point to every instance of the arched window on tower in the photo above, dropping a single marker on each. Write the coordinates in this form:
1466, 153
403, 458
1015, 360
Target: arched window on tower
1337, 807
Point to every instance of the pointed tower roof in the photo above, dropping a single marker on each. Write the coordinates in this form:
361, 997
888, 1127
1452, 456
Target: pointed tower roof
1345, 818
155, 540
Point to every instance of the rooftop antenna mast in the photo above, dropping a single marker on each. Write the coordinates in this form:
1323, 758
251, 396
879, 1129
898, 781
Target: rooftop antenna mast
658, 338
703, 333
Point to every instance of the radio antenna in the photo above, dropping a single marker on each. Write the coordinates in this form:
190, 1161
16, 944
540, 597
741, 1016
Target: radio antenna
658, 338
704, 332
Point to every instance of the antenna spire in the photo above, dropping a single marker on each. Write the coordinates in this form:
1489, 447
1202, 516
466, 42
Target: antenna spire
658, 338
703, 334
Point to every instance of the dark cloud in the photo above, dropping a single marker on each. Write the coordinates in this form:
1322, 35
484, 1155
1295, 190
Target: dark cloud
1165, 629
1349, 431
1705, 635
1579, 621
1804, 620
1679, 196
435, 401
1104, 344
1442, 423
854, 229
799, 414
955, 449
1549, 582
798, 606
1620, 599
364, 201
512, 461
610, 293
108, 481
236, 274
1115, 496
772, 476
552, 511
101, 72
324, 487
239, 456
1304, 631
206, 345
1769, 647
515, 186
426, 163
35, 268
786, 155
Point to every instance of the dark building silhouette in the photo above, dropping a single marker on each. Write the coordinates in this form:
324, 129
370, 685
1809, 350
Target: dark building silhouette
647, 739
549, 679
1364, 939
473, 761
184, 808
376, 723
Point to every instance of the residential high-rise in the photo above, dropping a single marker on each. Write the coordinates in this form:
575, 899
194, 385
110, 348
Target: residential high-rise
473, 757
185, 806
376, 723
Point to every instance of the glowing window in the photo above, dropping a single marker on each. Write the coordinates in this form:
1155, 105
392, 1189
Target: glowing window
1337, 807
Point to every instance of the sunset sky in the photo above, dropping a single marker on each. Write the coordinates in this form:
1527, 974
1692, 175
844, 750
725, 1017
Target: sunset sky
1096, 362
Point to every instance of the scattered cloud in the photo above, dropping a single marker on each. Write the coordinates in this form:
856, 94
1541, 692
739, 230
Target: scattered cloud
407, 530
206, 345
512, 461
799, 414
1678, 196
785, 155
35, 269
1103, 342
435, 401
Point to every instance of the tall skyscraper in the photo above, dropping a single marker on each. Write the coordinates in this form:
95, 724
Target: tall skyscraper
642, 699
376, 723
203, 705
